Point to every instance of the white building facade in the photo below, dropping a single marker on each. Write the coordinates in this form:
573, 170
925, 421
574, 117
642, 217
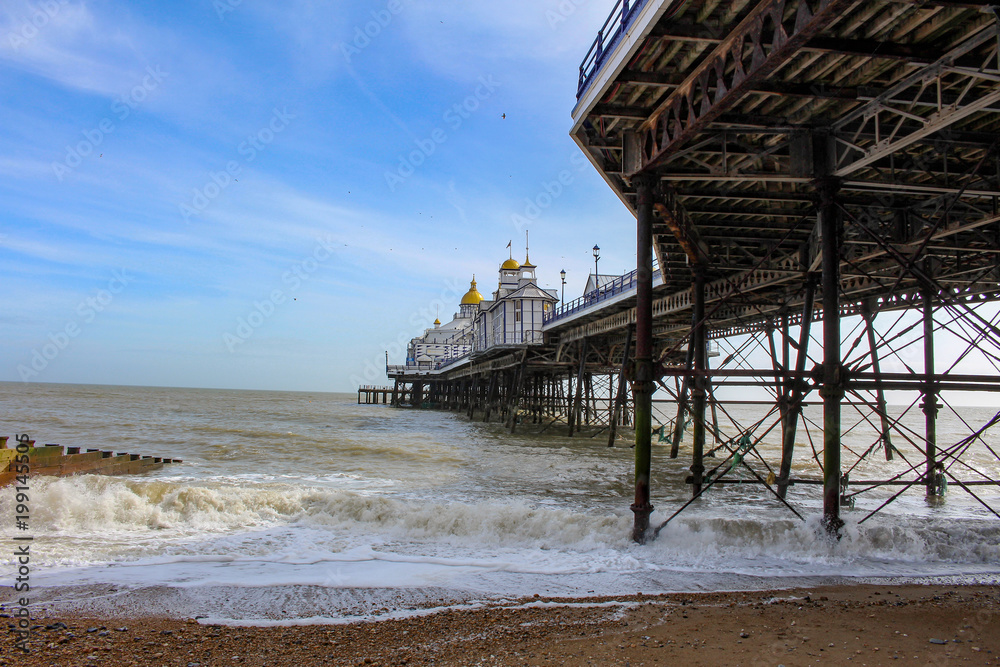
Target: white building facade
512, 317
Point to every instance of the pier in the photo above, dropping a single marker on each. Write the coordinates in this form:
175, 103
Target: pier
371, 395
816, 187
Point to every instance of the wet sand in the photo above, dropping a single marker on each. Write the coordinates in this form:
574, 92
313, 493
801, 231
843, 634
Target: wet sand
863, 625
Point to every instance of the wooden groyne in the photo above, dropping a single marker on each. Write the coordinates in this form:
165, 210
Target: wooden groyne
59, 461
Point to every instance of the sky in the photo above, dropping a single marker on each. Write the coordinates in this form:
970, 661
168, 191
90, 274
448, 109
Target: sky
271, 195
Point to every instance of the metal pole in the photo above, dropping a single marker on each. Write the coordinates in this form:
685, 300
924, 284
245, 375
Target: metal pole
832, 390
515, 392
866, 313
930, 405
574, 418
620, 397
794, 394
642, 389
698, 341
682, 402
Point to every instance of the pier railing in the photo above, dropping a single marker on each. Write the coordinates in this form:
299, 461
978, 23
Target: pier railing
617, 24
606, 291
424, 366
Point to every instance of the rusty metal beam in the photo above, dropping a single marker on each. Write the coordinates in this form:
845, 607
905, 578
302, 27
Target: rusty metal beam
889, 109
683, 229
726, 75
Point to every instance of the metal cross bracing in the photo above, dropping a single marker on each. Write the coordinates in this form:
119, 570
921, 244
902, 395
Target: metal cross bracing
806, 173
578, 387
819, 184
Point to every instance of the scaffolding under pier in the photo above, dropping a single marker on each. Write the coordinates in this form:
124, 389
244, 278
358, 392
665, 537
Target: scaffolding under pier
816, 186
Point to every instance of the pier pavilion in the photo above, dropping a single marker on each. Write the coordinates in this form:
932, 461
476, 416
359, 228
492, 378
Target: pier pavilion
815, 183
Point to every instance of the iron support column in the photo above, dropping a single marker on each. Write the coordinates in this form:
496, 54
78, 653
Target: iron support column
699, 381
930, 404
793, 395
832, 390
642, 389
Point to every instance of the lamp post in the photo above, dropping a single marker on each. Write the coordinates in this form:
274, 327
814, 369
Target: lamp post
562, 274
597, 256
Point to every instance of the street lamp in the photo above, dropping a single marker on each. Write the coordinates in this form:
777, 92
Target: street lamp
562, 274
597, 256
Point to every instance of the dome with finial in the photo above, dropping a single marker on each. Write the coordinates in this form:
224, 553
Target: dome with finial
472, 297
527, 263
510, 264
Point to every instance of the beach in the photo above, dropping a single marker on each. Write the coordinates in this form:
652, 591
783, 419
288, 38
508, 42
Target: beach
302, 519
861, 624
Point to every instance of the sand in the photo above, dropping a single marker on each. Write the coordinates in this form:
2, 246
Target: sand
856, 625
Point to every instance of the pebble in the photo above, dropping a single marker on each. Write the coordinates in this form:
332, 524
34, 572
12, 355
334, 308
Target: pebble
938, 641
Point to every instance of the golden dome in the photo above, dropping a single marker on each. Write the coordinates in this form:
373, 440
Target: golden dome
472, 297
510, 264
437, 322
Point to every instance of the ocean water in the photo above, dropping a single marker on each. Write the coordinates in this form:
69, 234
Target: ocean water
305, 507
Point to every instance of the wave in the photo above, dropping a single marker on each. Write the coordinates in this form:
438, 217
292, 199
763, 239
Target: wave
102, 505
93, 508
896, 539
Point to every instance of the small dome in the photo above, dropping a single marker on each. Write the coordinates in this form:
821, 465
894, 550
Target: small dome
510, 264
472, 297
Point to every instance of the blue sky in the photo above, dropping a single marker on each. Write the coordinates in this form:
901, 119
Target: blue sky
250, 194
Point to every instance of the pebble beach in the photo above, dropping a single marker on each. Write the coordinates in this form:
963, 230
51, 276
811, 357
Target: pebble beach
862, 624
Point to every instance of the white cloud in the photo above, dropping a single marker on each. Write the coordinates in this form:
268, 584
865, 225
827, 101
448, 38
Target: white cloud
64, 42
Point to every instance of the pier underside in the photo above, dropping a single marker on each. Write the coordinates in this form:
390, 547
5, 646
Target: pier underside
819, 183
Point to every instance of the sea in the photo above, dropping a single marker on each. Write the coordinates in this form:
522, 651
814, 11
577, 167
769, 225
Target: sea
300, 507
